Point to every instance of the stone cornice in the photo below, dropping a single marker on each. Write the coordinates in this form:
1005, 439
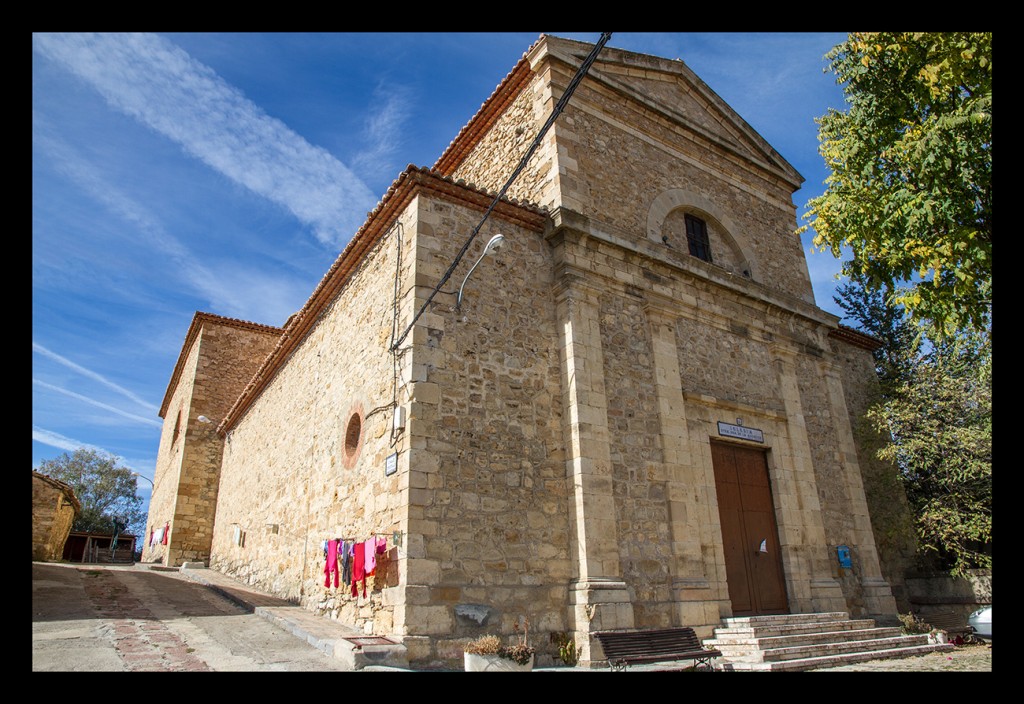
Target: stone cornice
565, 224
412, 182
190, 337
856, 338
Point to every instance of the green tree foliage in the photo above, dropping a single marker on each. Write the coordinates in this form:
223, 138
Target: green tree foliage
105, 489
935, 410
870, 308
910, 189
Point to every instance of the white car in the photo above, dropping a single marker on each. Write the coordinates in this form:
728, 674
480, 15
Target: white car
981, 622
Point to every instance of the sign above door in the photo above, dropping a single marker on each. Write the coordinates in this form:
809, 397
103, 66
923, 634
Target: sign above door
728, 430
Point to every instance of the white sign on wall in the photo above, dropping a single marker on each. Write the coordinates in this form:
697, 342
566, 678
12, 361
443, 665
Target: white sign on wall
729, 430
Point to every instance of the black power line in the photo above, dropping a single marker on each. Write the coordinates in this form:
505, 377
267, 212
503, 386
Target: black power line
562, 102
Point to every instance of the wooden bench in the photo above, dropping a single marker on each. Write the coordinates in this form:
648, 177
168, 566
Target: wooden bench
654, 645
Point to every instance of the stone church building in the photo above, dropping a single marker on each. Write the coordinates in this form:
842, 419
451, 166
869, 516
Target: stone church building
635, 416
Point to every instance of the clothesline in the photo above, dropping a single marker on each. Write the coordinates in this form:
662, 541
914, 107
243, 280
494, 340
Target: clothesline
396, 536
351, 561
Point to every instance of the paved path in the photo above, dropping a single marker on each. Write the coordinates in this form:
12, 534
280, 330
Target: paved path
964, 658
93, 618
89, 618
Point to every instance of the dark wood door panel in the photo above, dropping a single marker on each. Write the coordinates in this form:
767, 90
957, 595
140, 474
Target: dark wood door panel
747, 515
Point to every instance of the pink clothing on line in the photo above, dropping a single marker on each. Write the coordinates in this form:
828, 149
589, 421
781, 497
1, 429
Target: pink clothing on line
332, 564
370, 560
358, 571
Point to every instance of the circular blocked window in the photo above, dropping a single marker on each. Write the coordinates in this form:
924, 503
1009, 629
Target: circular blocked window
353, 441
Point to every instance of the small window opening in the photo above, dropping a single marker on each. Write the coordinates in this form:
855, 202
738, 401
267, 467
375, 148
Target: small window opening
352, 433
352, 442
697, 238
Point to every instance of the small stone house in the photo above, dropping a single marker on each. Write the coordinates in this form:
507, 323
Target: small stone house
54, 507
631, 415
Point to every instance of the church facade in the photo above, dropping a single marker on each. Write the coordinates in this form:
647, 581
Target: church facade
631, 415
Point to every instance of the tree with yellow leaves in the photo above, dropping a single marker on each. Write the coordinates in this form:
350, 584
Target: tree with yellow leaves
910, 189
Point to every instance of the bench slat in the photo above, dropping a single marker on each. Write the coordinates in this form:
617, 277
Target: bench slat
623, 648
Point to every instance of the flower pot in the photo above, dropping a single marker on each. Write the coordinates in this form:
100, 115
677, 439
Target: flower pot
493, 663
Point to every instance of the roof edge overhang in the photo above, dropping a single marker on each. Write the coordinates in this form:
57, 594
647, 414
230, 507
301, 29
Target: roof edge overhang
190, 337
856, 338
413, 181
478, 126
61, 486
573, 53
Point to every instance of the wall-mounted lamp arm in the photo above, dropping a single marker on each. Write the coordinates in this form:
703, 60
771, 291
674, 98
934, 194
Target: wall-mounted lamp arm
136, 474
493, 245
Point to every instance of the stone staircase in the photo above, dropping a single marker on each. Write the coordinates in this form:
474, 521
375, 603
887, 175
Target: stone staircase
796, 642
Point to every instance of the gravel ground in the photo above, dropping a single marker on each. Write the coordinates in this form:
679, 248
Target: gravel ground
964, 658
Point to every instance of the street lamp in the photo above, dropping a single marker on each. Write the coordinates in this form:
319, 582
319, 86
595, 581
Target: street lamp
493, 245
136, 474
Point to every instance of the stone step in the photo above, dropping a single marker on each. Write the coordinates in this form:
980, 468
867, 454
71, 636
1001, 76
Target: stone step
801, 652
751, 621
792, 642
733, 643
779, 628
830, 660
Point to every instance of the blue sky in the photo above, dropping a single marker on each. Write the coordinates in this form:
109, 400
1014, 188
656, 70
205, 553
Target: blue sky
225, 172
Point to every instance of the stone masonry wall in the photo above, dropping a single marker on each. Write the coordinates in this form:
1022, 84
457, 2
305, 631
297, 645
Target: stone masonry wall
631, 170
641, 494
52, 517
891, 519
615, 174
229, 356
224, 355
306, 462
728, 336
494, 493
834, 491
167, 472
493, 160
623, 173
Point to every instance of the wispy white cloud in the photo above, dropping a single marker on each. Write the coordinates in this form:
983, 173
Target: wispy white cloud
36, 347
72, 165
245, 297
61, 442
384, 129
155, 82
98, 404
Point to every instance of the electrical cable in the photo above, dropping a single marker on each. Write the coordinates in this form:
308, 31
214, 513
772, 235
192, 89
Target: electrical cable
562, 102
399, 234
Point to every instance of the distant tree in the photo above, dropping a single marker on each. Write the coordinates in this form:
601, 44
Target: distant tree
872, 312
935, 413
910, 189
106, 490
939, 420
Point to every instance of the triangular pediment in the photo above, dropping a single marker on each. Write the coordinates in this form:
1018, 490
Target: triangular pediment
670, 91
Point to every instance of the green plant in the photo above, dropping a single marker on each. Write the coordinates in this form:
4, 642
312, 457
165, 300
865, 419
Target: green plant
566, 648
